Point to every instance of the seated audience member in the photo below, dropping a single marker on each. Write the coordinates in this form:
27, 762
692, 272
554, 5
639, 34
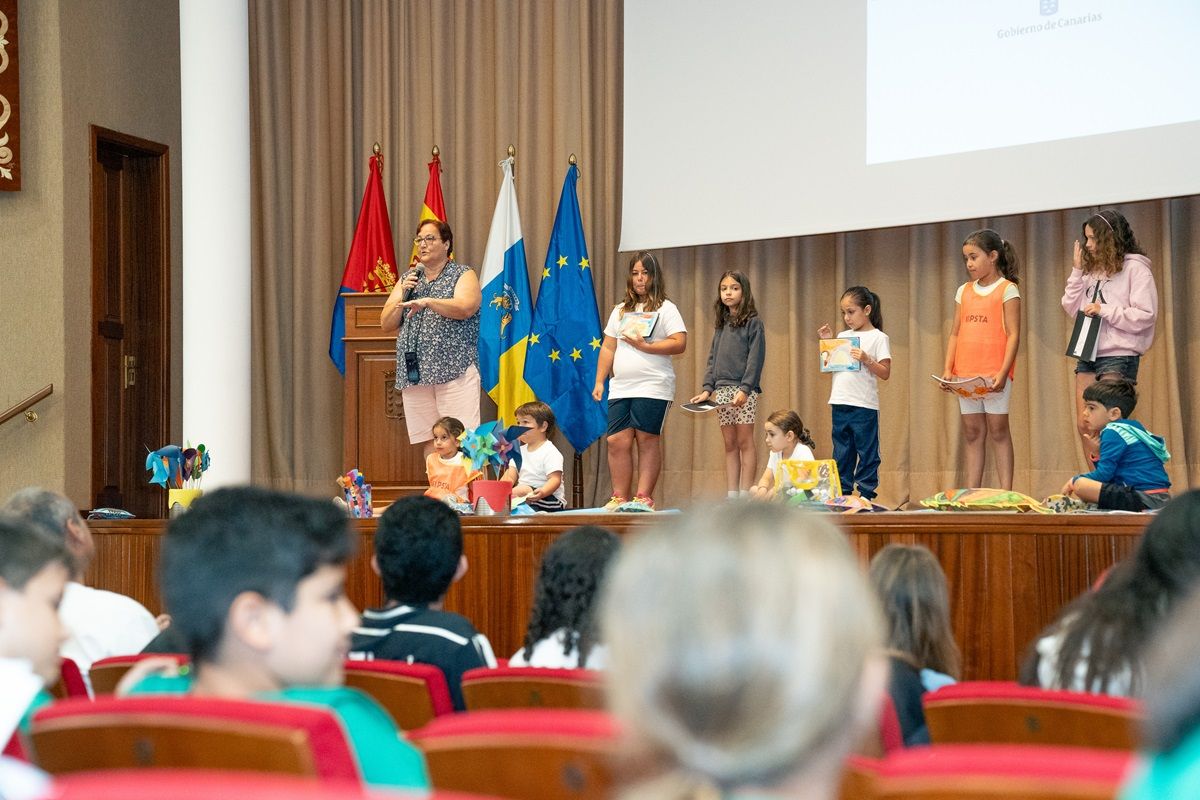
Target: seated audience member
100, 623
922, 654
255, 583
1096, 643
1171, 731
562, 629
418, 555
744, 653
1129, 475
34, 568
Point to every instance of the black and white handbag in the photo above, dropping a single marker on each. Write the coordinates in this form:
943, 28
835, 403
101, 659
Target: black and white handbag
1086, 333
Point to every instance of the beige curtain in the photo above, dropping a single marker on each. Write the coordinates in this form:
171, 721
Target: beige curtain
329, 79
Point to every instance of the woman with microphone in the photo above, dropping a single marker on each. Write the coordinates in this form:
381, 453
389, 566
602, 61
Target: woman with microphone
435, 307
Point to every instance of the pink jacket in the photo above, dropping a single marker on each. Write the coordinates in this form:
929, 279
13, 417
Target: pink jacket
1128, 305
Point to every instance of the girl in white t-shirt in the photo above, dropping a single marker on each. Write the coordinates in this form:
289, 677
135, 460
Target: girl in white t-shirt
855, 395
642, 334
787, 439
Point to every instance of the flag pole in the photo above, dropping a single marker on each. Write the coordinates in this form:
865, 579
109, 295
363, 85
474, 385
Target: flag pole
577, 477
436, 152
512, 153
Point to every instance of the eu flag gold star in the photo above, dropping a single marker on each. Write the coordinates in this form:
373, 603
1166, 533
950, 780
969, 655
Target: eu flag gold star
545, 272
584, 263
554, 355
533, 338
575, 354
562, 261
595, 344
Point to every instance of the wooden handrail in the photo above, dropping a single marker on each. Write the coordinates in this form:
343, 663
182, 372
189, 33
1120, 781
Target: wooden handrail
24, 405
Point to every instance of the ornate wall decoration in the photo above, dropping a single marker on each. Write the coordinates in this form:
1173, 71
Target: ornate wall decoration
10, 91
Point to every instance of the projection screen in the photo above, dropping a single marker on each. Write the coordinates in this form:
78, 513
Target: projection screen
789, 117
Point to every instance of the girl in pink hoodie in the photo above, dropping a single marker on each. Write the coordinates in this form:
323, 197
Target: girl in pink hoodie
1110, 279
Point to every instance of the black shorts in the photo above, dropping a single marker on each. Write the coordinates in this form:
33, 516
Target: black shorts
1120, 366
640, 413
1119, 497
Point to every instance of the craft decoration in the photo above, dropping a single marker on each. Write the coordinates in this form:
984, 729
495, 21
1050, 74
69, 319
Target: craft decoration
491, 449
177, 467
357, 494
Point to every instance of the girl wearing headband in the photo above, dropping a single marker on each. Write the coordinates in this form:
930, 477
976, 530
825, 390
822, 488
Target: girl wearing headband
1110, 279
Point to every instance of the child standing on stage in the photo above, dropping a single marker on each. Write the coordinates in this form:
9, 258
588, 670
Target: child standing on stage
787, 439
855, 395
643, 382
448, 472
540, 480
1110, 279
735, 362
983, 342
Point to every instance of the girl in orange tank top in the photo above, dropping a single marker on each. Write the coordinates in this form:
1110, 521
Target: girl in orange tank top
984, 338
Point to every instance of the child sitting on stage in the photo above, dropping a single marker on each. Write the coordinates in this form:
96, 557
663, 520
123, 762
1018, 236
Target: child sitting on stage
1129, 475
449, 473
255, 581
540, 480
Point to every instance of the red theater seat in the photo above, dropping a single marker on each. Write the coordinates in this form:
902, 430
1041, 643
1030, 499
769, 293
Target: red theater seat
70, 681
106, 673
1000, 772
412, 693
1005, 713
157, 784
551, 754
533, 687
188, 732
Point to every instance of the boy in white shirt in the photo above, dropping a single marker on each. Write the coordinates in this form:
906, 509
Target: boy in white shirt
540, 480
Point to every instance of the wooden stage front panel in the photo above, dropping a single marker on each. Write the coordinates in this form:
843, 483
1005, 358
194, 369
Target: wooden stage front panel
1009, 574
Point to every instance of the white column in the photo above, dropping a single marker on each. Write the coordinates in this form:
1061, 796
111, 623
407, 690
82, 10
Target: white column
215, 76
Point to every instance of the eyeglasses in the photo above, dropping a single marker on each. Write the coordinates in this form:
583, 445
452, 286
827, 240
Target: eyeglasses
420, 240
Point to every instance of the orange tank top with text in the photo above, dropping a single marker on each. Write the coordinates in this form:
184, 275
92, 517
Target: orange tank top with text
982, 336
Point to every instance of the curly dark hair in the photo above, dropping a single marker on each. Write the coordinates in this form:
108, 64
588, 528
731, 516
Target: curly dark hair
567, 589
1114, 240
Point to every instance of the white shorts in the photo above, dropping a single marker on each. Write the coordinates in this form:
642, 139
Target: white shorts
990, 403
425, 405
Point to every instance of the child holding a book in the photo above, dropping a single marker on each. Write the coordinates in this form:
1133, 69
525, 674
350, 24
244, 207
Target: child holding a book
731, 380
787, 439
984, 338
854, 398
643, 381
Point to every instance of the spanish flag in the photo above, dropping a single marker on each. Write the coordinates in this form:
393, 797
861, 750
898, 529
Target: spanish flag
434, 207
370, 267
507, 312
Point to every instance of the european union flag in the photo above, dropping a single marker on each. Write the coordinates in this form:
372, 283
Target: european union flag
565, 337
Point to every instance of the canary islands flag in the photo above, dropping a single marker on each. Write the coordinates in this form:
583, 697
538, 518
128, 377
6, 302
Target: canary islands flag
565, 337
370, 267
507, 311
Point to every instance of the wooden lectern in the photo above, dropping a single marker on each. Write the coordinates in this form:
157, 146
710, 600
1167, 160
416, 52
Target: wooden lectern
375, 438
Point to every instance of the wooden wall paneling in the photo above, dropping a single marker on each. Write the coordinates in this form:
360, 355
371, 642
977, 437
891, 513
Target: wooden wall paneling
1008, 574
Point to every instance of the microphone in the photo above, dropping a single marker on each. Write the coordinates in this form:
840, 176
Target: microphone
419, 271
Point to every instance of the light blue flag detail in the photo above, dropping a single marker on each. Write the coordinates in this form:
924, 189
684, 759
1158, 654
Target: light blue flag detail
507, 311
565, 337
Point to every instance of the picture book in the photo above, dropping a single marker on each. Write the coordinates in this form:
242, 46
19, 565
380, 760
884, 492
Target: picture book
835, 355
815, 480
969, 388
638, 322
703, 406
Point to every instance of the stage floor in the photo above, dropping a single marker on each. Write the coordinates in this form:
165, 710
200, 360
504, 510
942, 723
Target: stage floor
1009, 573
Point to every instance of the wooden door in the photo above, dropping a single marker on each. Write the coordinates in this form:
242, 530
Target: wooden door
130, 218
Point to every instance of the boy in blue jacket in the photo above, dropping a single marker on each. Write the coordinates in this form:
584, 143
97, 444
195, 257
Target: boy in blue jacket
1129, 475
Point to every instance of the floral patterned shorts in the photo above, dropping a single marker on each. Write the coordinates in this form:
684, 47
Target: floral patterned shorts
735, 416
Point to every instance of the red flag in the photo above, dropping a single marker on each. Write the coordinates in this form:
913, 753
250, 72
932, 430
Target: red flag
434, 206
370, 267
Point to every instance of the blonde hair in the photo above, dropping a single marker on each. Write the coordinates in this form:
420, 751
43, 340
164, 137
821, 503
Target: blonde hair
916, 606
739, 636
